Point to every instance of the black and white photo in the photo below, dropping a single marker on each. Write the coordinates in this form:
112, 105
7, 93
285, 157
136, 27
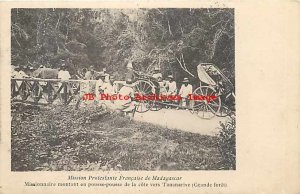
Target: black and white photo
149, 89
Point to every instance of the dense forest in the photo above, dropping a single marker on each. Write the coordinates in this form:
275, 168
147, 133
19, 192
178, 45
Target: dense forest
176, 40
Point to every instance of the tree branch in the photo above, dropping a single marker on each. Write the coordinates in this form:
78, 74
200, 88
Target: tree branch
184, 68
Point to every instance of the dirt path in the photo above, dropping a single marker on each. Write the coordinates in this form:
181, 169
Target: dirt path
182, 120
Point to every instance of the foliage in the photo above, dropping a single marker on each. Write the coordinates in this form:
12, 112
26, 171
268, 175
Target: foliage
110, 37
227, 143
76, 140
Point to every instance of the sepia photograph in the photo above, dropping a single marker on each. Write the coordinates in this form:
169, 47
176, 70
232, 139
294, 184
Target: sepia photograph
145, 89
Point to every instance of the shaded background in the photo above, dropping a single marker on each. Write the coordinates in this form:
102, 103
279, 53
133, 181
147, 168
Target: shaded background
110, 37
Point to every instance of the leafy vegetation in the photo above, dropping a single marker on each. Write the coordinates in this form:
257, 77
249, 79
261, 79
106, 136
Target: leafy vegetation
177, 40
227, 143
92, 139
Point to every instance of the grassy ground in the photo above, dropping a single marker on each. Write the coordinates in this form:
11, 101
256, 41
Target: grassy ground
61, 138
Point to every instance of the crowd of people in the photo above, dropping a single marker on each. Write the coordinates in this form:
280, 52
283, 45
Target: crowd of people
165, 87
20, 72
101, 82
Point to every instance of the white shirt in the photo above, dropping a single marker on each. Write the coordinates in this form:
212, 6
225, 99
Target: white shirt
172, 87
63, 75
186, 90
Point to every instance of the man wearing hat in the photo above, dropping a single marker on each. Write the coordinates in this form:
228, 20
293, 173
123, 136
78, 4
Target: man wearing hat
184, 91
157, 73
130, 74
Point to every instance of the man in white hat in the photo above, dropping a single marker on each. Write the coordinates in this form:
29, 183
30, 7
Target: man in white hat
184, 92
130, 74
156, 75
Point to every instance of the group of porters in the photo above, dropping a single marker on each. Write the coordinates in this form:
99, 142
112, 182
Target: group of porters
105, 83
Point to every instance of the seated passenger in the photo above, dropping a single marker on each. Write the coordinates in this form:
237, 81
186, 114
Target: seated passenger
156, 75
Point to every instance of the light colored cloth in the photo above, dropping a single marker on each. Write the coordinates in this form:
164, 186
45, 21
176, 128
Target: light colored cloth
22, 74
172, 88
157, 75
63, 75
15, 74
125, 105
45, 73
19, 75
204, 77
185, 90
129, 65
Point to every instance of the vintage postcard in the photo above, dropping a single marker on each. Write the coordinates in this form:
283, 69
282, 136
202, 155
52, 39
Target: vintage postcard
152, 97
